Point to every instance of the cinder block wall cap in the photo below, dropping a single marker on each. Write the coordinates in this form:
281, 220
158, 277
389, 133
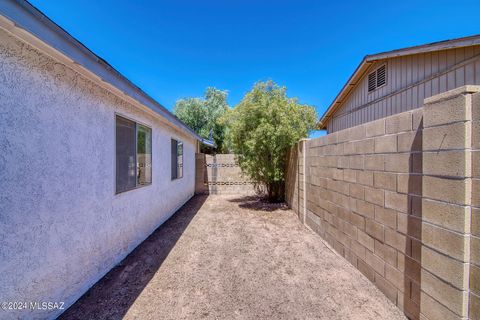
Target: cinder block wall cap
452, 93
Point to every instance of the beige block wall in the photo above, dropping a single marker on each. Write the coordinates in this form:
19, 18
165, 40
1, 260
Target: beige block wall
291, 179
294, 179
474, 294
220, 174
399, 198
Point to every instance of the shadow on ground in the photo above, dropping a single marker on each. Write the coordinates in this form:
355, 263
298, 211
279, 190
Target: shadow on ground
218, 259
257, 203
112, 296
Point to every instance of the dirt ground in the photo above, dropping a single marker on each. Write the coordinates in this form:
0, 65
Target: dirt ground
223, 257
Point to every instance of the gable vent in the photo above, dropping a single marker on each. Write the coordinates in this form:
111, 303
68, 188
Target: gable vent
381, 76
377, 78
372, 81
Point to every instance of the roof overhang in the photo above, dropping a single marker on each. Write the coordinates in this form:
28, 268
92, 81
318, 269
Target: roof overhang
347, 88
30, 25
368, 60
209, 143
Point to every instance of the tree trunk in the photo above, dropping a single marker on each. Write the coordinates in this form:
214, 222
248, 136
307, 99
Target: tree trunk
276, 191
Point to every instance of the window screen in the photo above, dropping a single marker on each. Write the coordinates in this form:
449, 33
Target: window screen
174, 158
133, 143
125, 153
177, 159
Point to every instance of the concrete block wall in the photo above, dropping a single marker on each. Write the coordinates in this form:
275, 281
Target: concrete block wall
295, 181
220, 174
399, 198
474, 158
200, 174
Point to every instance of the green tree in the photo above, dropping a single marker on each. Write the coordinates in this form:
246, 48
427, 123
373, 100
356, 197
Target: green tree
262, 128
204, 115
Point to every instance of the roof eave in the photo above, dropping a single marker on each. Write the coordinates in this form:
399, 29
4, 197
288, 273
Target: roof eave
429, 47
346, 89
209, 143
31, 24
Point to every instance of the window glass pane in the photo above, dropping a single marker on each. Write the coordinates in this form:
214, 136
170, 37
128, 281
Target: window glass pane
125, 154
180, 160
144, 155
174, 158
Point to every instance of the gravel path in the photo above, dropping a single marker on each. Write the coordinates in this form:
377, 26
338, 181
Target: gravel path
224, 257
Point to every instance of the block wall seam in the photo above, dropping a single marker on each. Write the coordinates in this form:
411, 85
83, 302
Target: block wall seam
469, 171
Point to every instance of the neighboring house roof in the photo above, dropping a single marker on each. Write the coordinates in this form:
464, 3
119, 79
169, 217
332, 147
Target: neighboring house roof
32, 26
370, 59
209, 143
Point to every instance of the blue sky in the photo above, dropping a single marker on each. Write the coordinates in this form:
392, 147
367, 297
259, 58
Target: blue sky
174, 49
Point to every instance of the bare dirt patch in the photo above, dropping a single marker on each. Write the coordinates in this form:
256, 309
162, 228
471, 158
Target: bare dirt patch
223, 257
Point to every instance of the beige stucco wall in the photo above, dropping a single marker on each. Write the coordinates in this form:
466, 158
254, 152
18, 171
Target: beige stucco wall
61, 225
399, 198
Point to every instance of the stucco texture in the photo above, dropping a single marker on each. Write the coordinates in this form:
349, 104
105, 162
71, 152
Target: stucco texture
61, 225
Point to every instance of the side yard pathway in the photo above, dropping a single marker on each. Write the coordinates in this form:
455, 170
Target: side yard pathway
224, 257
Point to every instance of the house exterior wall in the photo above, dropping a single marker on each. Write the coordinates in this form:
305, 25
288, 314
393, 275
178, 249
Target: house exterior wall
399, 198
62, 227
410, 79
